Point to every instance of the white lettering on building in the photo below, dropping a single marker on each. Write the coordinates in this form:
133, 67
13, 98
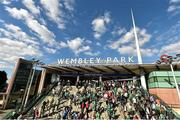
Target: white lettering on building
97, 60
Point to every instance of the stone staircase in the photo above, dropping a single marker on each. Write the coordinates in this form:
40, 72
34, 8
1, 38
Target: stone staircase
52, 113
73, 90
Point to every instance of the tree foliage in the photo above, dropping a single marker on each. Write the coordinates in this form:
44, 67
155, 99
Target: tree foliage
3, 77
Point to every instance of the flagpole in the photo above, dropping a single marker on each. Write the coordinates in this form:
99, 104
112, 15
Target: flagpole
143, 81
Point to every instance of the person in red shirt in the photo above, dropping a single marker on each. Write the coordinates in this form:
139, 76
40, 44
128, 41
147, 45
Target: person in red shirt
109, 94
36, 113
82, 107
87, 108
135, 117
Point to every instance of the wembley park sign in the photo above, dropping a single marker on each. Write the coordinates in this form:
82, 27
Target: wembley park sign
96, 60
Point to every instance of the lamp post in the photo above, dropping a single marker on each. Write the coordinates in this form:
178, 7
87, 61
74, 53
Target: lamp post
177, 88
168, 60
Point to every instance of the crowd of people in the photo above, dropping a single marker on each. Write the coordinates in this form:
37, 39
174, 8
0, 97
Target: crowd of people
106, 100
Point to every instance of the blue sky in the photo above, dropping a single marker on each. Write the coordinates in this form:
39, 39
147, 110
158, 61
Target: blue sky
53, 29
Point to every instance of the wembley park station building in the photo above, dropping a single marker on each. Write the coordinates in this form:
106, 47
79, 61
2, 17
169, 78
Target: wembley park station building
95, 88
31, 80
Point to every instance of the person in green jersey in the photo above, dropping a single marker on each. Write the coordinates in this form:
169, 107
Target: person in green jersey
98, 115
94, 103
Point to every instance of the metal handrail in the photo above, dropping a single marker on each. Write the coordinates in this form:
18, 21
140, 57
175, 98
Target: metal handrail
165, 104
37, 98
169, 106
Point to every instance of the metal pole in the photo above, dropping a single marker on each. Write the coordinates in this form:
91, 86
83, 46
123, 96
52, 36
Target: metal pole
177, 88
29, 88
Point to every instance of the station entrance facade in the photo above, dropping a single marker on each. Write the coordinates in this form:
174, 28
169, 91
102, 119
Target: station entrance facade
43, 78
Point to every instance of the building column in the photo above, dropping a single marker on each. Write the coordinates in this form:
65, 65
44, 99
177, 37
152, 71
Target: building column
3, 100
10, 84
143, 80
59, 78
41, 83
77, 81
101, 83
100, 79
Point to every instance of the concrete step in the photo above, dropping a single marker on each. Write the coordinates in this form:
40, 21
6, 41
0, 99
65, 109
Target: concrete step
73, 90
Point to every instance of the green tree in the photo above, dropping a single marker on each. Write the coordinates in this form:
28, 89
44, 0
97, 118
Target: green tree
3, 79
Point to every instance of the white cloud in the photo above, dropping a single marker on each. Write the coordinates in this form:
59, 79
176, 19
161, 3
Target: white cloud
15, 44
174, 1
91, 53
126, 43
77, 45
172, 48
69, 4
128, 38
174, 7
170, 35
42, 31
49, 50
6, 2
131, 50
127, 50
54, 12
88, 41
19, 14
11, 50
118, 31
46, 35
62, 44
149, 52
30, 4
15, 32
98, 44
99, 25
82, 49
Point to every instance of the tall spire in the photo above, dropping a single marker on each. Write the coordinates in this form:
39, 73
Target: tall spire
142, 77
136, 39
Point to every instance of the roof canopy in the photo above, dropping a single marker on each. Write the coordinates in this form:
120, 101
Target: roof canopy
109, 70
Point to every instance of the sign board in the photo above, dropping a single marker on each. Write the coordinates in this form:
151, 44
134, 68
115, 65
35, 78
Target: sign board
96, 60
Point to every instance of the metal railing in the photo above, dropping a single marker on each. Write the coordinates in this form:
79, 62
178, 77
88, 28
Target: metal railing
39, 98
168, 107
32, 102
